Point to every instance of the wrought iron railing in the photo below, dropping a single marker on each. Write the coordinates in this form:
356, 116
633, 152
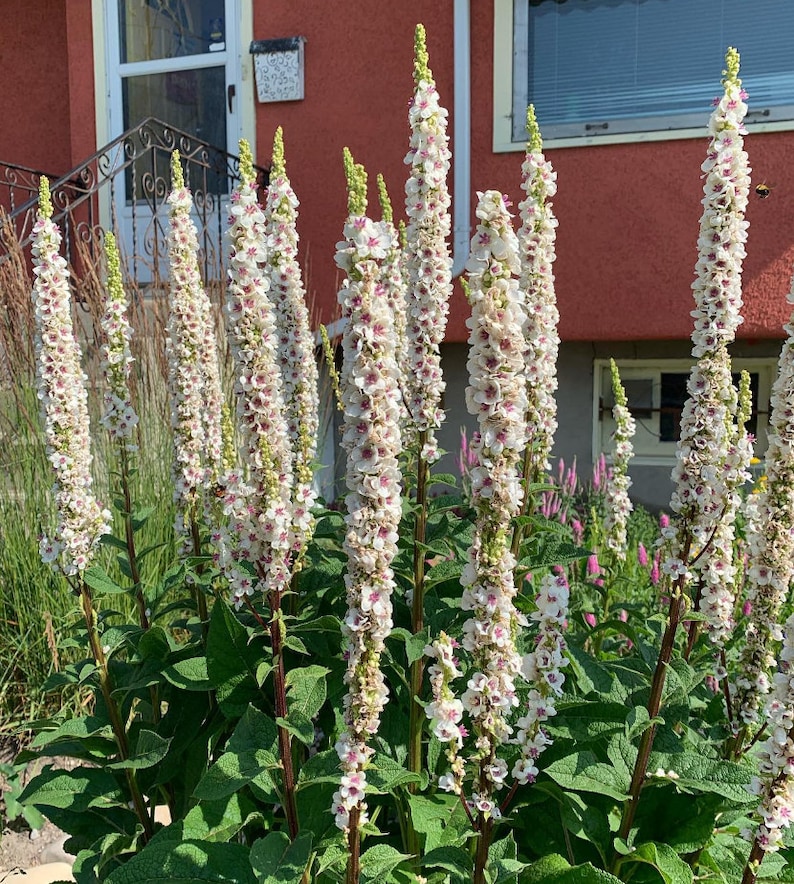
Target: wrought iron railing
124, 186
18, 184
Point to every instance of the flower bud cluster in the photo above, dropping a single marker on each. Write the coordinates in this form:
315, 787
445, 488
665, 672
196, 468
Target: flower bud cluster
618, 504
119, 417
371, 437
295, 340
427, 204
775, 785
254, 548
536, 240
542, 668
191, 346
771, 559
708, 465
446, 710
64, 402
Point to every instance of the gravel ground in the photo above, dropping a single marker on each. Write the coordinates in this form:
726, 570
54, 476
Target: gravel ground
21, 847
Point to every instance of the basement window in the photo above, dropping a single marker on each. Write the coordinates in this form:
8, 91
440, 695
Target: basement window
656, 393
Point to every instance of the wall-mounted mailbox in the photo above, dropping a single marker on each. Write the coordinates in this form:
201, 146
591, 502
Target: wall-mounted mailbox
278, 68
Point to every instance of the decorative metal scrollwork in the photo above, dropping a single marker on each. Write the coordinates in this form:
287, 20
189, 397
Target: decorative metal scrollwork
128, 182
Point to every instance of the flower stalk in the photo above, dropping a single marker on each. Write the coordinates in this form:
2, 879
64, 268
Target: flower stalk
371, 437
536, 238
64, 398
254, 547
704, 488
429, 269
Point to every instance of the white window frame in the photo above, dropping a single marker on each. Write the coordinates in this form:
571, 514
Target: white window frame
663, 453
509, 100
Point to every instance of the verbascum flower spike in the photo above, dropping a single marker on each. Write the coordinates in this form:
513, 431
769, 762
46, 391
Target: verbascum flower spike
371, 437
81, 521
718, 574
255, 546
536, 238
428, 262
771, 562
299, 376
618, 504
496, 396
194, 377
775, 783
394, 282
118, 417
703, 488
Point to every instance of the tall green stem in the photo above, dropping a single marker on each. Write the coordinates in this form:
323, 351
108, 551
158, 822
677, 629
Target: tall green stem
676, 611
119, 731
416, 718
284, 737
129, 536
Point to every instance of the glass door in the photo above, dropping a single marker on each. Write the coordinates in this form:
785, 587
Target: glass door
176, 61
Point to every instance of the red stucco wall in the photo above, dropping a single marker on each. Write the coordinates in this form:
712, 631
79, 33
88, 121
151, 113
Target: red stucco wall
628, 214
34, 98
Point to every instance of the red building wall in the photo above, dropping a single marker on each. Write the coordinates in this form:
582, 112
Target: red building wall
34, 103
628, 213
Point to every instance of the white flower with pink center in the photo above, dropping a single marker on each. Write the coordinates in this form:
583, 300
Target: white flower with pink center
428, 260
536, 238
371, 437
81, 521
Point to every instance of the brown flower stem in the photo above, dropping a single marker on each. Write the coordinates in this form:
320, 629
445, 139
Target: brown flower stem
116, 723
198, 592
280, 694
417, 714
753, 863
483, 844
676, 611
354, 849
726, 688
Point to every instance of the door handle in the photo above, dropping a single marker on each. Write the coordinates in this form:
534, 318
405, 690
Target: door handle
231, 91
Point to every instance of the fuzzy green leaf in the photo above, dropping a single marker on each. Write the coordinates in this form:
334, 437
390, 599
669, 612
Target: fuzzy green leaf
189, 675
664, 859
277, 861
189, 862
379, 861
150, 749
101, 582
583, 772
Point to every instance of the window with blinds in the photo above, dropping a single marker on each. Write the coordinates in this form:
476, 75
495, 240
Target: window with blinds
594, 67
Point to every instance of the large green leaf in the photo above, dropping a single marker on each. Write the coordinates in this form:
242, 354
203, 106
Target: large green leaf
150, 749
277, 861
231, 662
664, 859
555, 869
700, 774
254, 730
306, 690
379, 861
583, 772
188, 862
233, 770
76, 790
189, 675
